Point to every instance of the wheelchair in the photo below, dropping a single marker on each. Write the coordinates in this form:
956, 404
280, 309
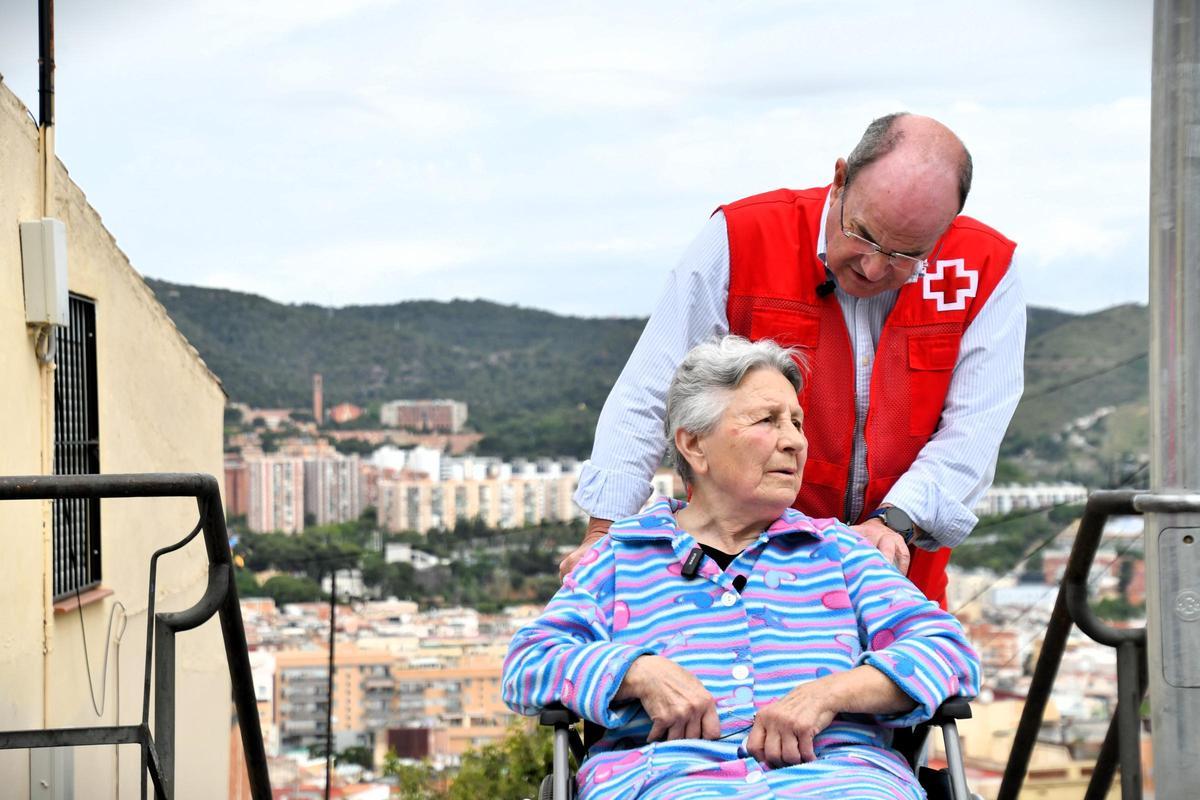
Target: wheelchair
939, 784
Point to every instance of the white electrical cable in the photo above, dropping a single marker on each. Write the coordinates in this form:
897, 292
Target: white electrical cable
109, 639
46, 343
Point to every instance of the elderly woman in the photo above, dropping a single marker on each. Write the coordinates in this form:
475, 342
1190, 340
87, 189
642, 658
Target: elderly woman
732, 646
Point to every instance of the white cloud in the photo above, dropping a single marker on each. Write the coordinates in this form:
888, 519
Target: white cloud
563, 155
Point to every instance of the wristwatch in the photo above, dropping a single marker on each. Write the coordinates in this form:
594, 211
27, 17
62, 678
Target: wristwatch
897, 520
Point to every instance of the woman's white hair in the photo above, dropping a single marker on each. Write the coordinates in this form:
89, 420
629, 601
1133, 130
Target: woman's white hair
705, 381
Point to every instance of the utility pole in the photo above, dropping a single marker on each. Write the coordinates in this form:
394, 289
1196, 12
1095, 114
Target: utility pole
1173, 531
329, 708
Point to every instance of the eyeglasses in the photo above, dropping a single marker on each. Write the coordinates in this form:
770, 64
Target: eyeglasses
894, 260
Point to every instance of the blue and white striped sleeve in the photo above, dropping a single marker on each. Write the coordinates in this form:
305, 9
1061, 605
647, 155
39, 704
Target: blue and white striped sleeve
907, 637
629, 441
956, 467
567, 654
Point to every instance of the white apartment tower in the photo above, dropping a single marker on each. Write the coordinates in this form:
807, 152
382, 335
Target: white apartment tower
333, 490
276, 494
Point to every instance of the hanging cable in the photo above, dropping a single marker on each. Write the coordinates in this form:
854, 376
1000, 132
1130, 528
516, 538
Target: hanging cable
112, 612
98, 707
1028, 609
1091, 582
1041, 545
1083, 378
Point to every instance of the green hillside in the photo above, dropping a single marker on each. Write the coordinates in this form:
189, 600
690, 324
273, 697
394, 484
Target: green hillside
535, 381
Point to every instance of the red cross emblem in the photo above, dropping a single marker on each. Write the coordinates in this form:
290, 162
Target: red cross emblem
950, 283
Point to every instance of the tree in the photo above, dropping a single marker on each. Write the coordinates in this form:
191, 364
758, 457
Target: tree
287, 589
357, 755
247, 584
413, 781
512, 767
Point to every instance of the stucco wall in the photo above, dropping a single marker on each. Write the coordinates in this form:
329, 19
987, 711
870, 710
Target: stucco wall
160, 410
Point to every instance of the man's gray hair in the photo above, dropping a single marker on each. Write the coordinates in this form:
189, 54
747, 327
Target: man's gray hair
881, 137
704, 384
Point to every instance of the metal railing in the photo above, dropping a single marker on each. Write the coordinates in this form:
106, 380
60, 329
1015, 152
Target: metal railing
220, 598
1122, 744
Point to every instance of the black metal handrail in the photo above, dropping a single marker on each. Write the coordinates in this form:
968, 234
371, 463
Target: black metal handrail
1121, 743
220, 598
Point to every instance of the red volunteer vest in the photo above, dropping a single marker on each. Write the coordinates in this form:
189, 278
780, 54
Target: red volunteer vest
774, 273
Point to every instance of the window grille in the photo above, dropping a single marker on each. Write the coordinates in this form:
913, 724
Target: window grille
76, 452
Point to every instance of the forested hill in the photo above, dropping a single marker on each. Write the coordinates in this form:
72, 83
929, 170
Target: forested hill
535, 381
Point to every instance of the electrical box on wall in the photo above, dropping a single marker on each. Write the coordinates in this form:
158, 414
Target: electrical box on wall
44, 263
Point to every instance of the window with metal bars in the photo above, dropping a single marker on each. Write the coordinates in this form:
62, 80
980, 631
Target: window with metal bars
76, 452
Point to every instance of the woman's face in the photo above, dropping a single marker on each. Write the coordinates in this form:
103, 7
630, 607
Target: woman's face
756, 453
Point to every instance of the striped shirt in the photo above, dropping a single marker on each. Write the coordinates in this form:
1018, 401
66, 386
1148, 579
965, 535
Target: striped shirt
817, 600
939, 490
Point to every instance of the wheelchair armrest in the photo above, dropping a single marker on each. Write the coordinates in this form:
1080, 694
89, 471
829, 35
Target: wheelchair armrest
954, 708
910, 742
561, 718
557, 714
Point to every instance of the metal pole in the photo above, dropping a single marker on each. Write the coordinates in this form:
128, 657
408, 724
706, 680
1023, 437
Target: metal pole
562, 763
45, 63
1172, 567
164, 701
329, 708
1109, 757
1129, 726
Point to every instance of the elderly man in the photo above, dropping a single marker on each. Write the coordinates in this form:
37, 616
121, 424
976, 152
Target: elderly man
912, 323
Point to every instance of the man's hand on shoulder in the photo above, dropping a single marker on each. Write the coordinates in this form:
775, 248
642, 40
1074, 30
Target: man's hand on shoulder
596, 530
886, 540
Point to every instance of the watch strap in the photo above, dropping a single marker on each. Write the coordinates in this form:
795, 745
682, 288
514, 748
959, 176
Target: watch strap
881, 514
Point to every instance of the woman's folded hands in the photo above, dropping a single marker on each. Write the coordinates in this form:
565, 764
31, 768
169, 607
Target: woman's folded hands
675, 700
783, 732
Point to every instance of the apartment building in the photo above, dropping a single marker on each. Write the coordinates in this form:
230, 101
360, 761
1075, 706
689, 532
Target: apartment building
237, 486
333, 488
442, 416
513, 496
459, 699
363, 693
276, 493
1004, 499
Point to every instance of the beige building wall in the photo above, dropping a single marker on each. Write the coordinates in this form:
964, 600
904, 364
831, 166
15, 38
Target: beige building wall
160, 409
363, 690
461, 693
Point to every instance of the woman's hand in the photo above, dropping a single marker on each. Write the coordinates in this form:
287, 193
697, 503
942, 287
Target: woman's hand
886, 541
676, 701
783, 732
596, 530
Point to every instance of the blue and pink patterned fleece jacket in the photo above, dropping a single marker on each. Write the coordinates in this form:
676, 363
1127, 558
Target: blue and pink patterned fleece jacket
817, 600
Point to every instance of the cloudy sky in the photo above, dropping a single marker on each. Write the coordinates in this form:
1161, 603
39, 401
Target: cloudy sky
561, 155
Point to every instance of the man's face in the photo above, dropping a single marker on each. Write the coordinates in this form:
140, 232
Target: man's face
908, 223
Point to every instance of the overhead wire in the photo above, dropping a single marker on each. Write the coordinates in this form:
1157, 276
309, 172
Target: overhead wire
1084, 378
1024, 612
1042, 545
1091, 582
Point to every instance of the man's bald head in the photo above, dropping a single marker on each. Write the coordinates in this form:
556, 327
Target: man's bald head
924, 146
910, 178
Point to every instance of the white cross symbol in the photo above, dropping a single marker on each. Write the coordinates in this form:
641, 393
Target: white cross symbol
961, 285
